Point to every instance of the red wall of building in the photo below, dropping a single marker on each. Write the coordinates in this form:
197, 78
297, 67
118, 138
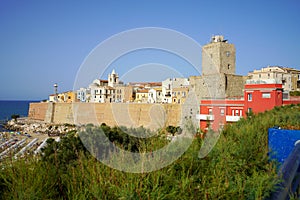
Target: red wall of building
215, 106
259, 102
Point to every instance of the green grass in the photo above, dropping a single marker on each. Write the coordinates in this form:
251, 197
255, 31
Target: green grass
237, 168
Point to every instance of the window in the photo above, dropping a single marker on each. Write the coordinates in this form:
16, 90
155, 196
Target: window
236, 112
259, 75
183, 94
210, 111
249, 110
228, 66
222, 111
249, 96
227, 53
266, 95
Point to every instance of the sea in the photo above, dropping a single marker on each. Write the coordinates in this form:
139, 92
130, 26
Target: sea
9, 108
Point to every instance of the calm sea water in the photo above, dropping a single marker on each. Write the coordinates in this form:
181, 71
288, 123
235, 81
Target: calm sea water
8, 108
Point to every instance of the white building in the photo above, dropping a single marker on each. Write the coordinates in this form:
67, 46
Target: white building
169, 84
102, 91
99, 91
155, 95
288, 77
84, 94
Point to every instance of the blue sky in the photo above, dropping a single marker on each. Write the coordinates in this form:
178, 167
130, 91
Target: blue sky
45, 42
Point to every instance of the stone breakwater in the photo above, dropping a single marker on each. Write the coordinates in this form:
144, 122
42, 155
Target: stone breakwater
28, 126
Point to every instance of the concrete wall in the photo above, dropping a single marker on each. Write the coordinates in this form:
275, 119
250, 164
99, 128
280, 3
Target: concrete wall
152, 116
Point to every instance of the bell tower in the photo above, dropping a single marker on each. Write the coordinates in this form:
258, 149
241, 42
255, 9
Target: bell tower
113, 79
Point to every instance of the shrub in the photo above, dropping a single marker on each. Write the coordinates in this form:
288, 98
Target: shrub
238, 166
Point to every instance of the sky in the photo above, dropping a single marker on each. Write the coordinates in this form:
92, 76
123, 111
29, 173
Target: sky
47, 42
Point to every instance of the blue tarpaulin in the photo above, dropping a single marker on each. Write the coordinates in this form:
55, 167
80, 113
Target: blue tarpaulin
281, 142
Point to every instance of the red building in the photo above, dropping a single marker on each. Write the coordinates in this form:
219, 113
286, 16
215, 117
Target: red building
215, 113
262, 97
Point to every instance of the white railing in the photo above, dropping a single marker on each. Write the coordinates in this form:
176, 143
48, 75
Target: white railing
204, 117
233, 118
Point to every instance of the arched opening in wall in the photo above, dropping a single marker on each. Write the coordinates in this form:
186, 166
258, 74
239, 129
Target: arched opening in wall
228, 66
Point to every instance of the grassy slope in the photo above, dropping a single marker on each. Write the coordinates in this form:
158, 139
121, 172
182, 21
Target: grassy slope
237, 168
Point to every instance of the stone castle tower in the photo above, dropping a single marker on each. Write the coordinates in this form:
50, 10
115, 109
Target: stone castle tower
218, 57
218, 79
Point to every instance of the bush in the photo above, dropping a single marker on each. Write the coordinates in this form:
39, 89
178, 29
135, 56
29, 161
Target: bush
238, 166
15, 116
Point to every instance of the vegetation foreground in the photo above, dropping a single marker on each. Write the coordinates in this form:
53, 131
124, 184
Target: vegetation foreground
238, 167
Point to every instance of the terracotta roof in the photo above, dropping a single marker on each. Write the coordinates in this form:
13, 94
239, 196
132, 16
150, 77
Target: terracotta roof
142, 91
146, 83
155, 83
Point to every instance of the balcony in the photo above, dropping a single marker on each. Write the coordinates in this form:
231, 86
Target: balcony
232, 118
204, 117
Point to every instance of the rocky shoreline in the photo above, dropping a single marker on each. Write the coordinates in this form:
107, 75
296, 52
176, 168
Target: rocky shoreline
26, 126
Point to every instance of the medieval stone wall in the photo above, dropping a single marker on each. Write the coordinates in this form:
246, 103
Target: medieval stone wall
37, 111
151, 116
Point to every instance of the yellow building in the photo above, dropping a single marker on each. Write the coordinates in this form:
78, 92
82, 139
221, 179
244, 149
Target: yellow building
67, 97
179, 95
141, 96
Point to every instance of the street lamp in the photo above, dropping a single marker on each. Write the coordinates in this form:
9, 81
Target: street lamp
55, 92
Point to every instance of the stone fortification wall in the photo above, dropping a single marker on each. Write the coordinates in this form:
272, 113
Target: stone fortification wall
218, 86
38, 111
152, 116
234, 85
